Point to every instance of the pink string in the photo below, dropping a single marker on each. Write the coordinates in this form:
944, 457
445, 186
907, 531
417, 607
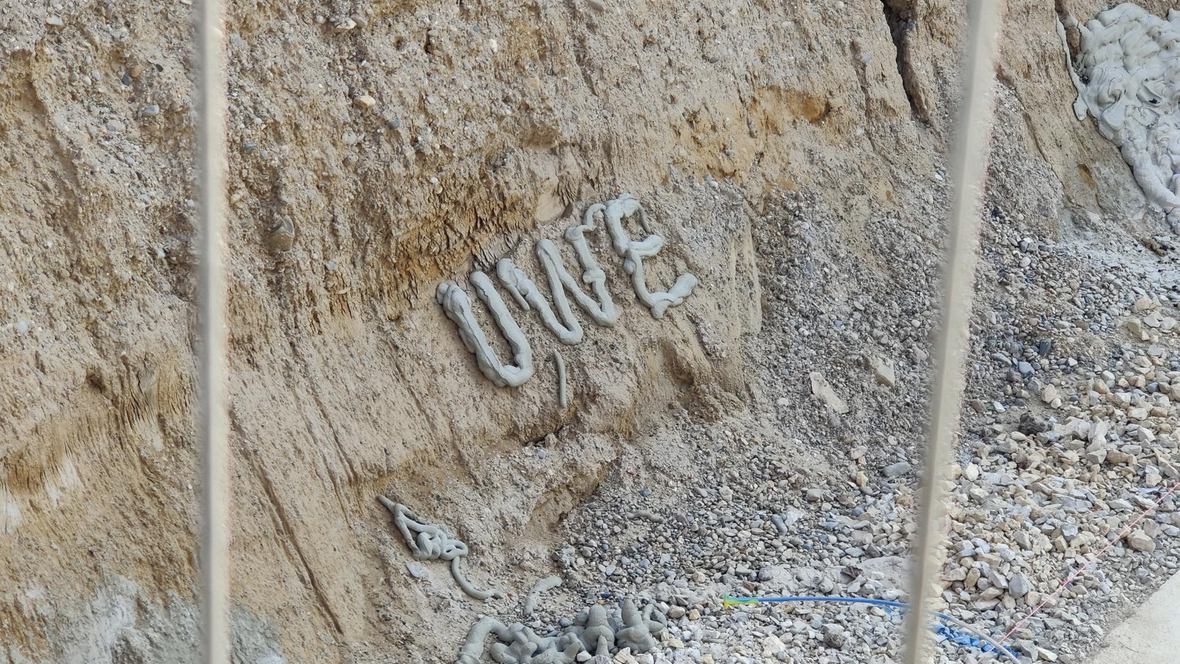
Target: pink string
1087, 566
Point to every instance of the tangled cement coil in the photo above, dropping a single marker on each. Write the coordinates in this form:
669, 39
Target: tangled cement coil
562, 323
636, 633
1127, 77
473, 647
429, 542
595, 631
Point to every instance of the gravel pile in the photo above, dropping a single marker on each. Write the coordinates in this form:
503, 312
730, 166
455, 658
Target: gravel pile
1069, 434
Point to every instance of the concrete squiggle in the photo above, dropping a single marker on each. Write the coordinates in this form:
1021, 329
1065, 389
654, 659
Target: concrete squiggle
562, 323
429, 542
458, 308
544, 585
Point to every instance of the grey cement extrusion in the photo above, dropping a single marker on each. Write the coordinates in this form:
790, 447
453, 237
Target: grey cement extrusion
633, 253
458, 308
647, 515
562, 389
429, 542
544, 585
568, 330
563, 324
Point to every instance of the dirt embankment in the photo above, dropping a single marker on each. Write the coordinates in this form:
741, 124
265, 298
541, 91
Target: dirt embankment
375, 150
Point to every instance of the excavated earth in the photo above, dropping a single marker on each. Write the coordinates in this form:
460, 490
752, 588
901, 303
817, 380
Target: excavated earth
793, 156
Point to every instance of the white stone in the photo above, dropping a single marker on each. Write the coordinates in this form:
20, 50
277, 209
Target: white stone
1050, 394
772, 645
822, 389
883, 370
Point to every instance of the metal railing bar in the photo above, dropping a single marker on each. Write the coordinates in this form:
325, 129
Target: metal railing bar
968, 176
211, 424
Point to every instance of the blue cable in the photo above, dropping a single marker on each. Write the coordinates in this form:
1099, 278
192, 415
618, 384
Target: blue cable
956, 637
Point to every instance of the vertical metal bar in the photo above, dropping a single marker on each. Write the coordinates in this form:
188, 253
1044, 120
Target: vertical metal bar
210, 153
969, 173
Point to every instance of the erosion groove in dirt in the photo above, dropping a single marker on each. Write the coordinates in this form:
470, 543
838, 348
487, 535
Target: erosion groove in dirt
789, 153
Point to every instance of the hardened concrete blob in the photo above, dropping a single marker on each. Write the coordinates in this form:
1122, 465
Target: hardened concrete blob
599, 631
429, 542
1128, 78
458, 308
562, 323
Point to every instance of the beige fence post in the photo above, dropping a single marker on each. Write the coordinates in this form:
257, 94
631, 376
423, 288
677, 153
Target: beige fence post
968, 176
211, 425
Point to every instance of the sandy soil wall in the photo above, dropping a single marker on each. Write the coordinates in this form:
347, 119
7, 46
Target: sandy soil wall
377, 148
